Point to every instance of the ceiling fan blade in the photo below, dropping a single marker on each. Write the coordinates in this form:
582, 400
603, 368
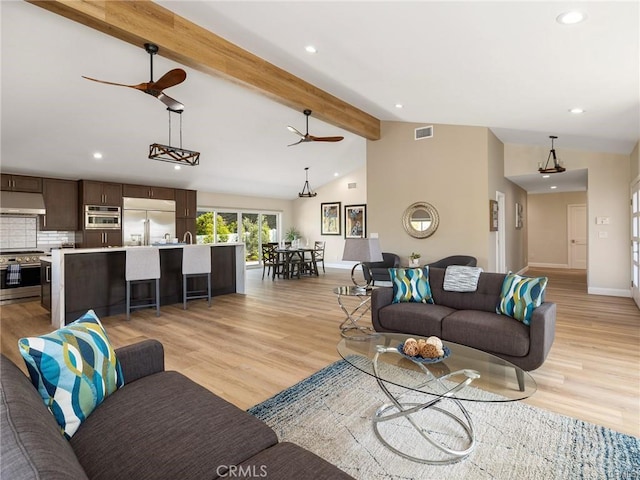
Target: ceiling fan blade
141, 86
296, 131
169, 79
298, 142
325, 139
172, 105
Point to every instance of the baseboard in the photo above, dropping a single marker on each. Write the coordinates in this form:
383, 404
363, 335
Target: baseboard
549, 265
611, 292
345, 266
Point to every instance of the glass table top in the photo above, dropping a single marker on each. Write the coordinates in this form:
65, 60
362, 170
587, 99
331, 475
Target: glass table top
493, 379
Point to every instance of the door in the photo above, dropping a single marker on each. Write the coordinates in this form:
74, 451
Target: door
161, 226
577, 216
635, 242
134, 227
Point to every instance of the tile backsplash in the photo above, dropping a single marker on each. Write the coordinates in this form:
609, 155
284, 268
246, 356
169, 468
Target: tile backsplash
18, 232
21, 232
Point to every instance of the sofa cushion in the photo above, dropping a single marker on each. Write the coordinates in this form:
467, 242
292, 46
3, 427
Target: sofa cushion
461, 278
31, 446
416, 318
278, 462
179, 429
486, 331
485, 298
520, 296
74, 369
410, 285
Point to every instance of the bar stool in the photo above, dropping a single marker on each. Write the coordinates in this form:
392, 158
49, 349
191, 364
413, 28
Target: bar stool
142, 265
196, 262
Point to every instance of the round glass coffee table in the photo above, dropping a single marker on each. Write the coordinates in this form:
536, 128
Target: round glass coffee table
416, 386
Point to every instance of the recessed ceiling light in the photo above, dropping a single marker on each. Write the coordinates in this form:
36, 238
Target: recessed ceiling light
310, 49
97, 155
335, 174
553, 187
576, 110
546, 176
399, 105
571, 18
177, 167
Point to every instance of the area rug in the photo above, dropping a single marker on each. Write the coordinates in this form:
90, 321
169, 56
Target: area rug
330, 413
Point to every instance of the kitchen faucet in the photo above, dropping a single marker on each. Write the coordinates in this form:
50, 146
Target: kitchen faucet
184, 238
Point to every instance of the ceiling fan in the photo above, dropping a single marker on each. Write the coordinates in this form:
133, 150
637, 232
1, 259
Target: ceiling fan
155, 89
310, 138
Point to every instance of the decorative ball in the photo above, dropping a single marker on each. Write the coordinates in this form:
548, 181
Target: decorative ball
411, 347
435, 341
428, 350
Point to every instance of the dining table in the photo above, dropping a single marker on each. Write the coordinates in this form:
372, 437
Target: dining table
296, 262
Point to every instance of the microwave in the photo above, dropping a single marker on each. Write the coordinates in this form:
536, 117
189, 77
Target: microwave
101, 217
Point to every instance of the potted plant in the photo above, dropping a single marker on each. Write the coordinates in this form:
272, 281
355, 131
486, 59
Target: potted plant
414, 259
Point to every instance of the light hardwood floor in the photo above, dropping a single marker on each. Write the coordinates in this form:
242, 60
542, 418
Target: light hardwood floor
248, 347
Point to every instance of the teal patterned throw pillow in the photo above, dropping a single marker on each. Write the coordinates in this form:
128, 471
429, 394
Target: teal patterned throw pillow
411, 285
520, 296
74, 369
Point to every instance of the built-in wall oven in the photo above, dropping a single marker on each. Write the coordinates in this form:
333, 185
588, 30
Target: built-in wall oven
101, 217
19, 276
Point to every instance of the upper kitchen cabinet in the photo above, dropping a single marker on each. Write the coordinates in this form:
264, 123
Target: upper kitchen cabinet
21, 183
61, 203
100, 193
143, 191
186, 203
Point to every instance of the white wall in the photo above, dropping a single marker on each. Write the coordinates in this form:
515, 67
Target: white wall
609, 259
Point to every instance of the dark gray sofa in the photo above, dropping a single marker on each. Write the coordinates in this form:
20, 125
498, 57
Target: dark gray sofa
469, 318
159, 425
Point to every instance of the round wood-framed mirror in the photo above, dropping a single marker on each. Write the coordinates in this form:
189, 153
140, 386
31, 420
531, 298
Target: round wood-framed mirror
420, 220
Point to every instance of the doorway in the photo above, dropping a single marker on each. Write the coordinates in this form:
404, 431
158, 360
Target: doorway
501, 248
635, 242
577, 230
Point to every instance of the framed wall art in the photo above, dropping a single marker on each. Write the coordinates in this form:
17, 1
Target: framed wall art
355, 221
330, 218
493, 216
519, 215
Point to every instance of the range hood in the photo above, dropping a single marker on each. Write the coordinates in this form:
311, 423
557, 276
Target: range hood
21, 203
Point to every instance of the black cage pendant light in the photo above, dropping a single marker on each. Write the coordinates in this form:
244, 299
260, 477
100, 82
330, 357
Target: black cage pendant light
306, 189
556, 168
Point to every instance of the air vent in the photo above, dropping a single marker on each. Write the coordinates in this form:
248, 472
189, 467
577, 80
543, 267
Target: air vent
352, 185
424, 132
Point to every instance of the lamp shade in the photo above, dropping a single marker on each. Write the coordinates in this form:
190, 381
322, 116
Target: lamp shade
362, 250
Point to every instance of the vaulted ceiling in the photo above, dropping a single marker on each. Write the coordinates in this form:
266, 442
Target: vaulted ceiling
508, 66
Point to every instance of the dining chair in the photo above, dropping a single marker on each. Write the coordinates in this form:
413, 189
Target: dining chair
271, 260
319, 251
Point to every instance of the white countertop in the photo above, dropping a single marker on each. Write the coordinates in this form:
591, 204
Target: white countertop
73, 251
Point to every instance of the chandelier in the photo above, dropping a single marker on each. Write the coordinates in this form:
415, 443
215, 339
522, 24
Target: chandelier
306, 189
178, 155
556, 168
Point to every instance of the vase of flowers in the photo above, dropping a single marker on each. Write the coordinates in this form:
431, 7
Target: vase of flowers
414, 259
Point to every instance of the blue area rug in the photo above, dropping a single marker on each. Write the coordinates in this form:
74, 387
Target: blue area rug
330, 414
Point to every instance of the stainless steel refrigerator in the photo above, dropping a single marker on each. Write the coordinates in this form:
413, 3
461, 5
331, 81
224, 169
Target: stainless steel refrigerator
147, 221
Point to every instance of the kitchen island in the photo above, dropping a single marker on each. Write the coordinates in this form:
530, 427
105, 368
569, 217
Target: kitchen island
93, 278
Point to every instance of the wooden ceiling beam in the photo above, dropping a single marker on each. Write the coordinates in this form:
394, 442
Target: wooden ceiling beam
142, 21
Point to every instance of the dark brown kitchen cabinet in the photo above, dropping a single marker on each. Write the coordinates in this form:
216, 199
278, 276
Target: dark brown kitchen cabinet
61, 203
102, 238
45, 285
186, 203
21, 183
100, 193
143, 191
184, 225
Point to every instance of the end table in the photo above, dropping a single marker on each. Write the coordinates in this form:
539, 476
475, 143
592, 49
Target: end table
350, 328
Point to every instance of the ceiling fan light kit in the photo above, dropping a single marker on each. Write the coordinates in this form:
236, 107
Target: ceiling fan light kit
556, 168
306, 189
305, 137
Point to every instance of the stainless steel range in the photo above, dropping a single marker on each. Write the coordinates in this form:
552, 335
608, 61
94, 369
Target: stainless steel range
19, 275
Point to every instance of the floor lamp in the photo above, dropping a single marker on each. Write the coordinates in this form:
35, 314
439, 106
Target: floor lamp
362, 250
